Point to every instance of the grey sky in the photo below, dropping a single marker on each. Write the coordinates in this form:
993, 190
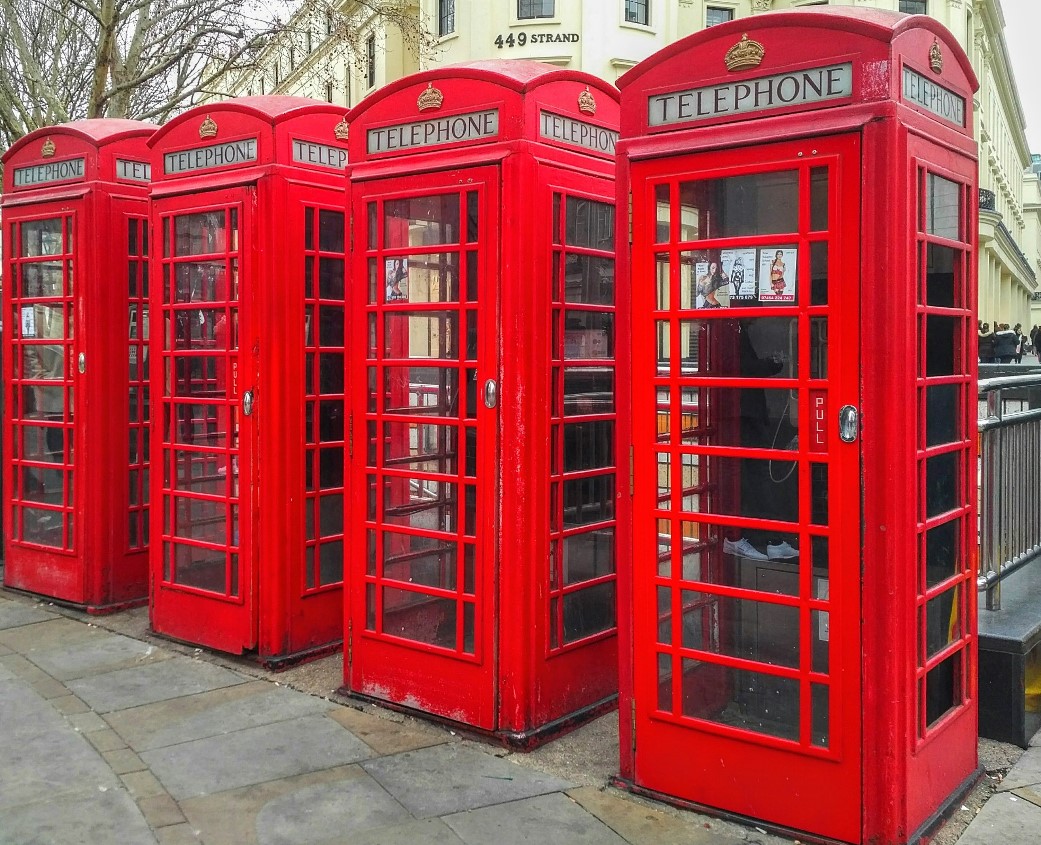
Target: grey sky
1023, 38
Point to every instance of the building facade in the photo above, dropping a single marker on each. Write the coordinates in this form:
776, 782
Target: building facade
607, 37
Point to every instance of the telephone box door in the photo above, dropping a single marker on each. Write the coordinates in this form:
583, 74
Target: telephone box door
422, 602
204, 588
746, 458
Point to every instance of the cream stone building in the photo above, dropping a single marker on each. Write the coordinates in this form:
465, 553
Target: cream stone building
607, 37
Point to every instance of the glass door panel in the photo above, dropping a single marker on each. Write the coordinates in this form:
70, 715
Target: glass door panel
747, 610
425, 596
41, 372
199, 406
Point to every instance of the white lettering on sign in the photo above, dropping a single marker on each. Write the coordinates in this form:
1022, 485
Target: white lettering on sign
428, 133
53, 171
135, 171
934, 98
797, 88
570, 131
216, 155
323, 155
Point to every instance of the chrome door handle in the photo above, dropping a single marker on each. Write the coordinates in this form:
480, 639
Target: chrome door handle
247, 403
491, 393
849, 423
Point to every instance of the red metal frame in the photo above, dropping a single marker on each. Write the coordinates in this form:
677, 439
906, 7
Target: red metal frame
510, 640
75, 198
900, 639
254, 189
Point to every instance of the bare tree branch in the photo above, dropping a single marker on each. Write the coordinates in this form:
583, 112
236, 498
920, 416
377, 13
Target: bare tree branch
149, 59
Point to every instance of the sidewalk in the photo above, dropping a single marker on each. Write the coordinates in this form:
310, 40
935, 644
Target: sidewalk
110, 735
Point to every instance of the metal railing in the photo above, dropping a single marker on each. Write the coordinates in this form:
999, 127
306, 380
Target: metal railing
1009, 479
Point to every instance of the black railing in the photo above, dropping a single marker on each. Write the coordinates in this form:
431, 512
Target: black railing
987, 200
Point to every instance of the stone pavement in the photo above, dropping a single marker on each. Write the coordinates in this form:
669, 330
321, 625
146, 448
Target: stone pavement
110, 738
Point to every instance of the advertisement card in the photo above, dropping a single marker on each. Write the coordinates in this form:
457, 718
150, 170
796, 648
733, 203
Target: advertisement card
397, 279
710, 284
739, 269
777, 269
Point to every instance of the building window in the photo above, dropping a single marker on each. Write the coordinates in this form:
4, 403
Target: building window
292, 57
329, 92
528, 9
328, 21
370, 60
445, 17
637, 11
715, 16
278, 72
913, 7
308, 44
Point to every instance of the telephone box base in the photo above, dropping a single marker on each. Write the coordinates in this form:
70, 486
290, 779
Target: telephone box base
89, 609
515, 740
920, 836
273, 663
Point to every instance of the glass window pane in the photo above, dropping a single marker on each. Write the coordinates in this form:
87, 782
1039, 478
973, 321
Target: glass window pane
588, 555
589, 223
589, 279
942, 552
588, 390
819, 199
759, 347
752, 701
941, 272
588, 500
943, 688
751, 487
943, 207
942, 417
42, 237
421, 221
942, 483
419, 617
588, 334
736, 206
330, 231
429, 334
589, 611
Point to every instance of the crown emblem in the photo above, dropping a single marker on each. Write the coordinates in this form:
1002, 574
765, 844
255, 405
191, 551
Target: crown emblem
586, 102
745, 54
340, 129
208, 128
936, 57
431, 98
47, 150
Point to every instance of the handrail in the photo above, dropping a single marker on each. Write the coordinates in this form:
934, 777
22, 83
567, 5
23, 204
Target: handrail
1010, 480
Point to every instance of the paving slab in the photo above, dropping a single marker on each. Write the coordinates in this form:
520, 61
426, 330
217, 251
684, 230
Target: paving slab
1031, 794
640, 822
254, 755
1004, 819
390, 735
424, 832
327, 811
54, 632
102, 652
49, 765
91, 817
453, 777
544, 818
230, 818
14, 614
23, 714
151, 682
1026, 772
212, 713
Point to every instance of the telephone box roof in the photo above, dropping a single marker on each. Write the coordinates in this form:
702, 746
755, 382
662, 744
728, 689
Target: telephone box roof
273, 109
519, 75
98, 131
880, 24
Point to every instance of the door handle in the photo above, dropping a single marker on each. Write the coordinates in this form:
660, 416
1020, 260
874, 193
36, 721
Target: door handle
491, 393
247, 403
849, 423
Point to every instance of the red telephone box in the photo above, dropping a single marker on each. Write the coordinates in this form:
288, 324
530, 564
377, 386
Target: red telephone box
482, 565
797, 583
248, 219
75, 212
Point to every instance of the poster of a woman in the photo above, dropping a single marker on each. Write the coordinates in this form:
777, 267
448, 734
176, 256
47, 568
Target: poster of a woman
777, 274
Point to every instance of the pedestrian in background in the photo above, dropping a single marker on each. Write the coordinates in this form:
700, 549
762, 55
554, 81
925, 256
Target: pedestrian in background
1005, 343
986, 344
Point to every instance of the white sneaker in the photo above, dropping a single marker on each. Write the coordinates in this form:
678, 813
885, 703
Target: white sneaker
781, 551
742, 548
